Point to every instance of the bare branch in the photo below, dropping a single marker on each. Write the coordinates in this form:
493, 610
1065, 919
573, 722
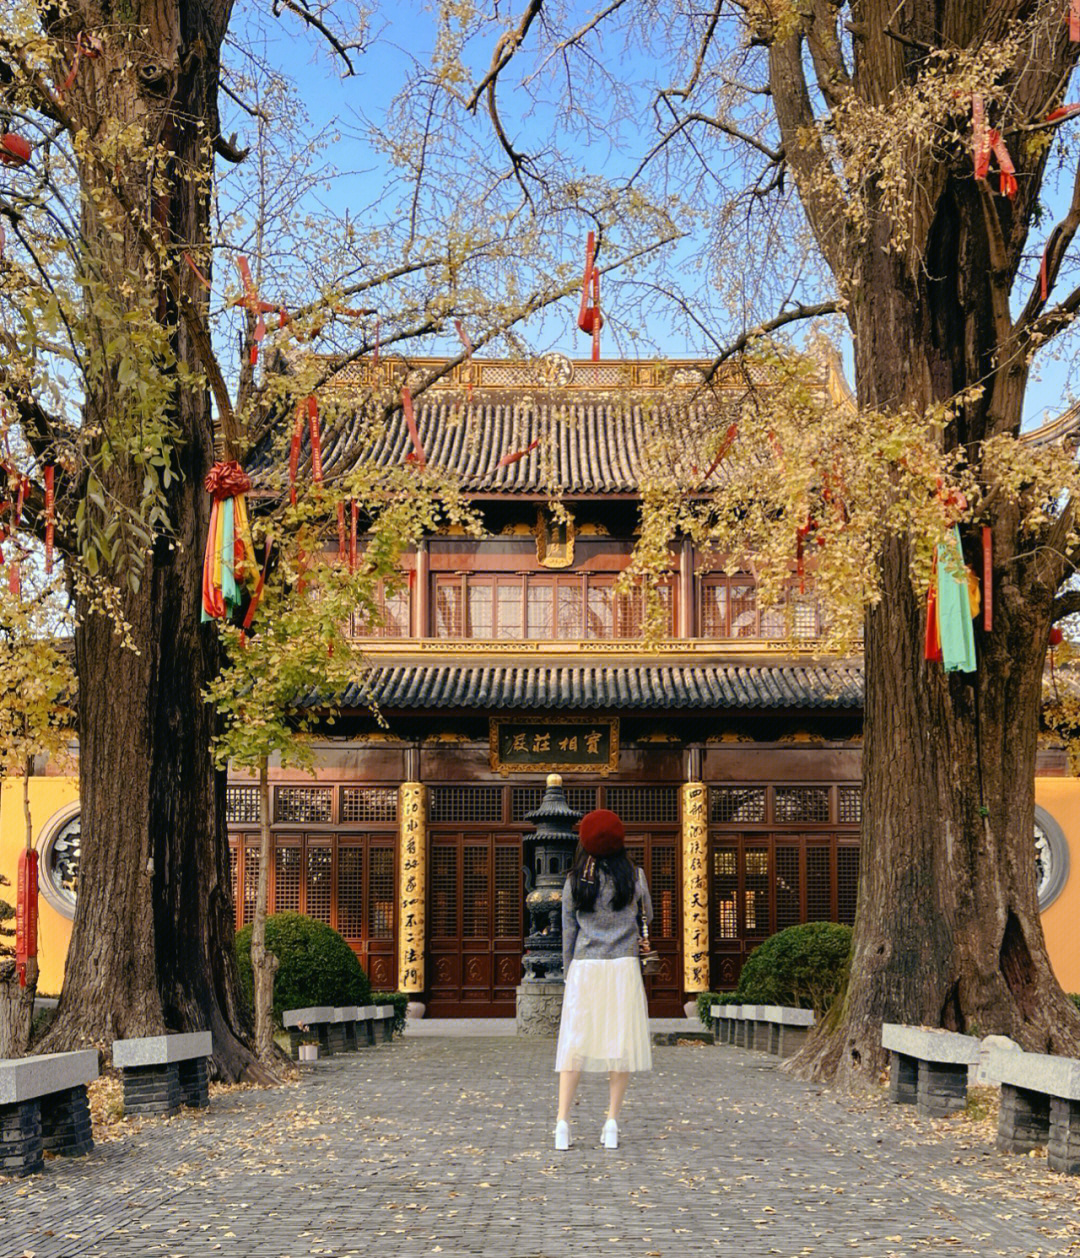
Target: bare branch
699, 61
313, 20
1056, 247
1066, 604
797, 312
504, 52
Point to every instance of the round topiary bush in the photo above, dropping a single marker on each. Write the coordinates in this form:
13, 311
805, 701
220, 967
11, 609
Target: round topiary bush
804, 966
317, 966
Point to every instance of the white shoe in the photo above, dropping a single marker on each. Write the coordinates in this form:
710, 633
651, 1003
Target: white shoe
562, 1135
609, 1137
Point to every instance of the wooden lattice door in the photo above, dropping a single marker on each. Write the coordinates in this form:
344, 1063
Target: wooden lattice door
475, 923
657, 852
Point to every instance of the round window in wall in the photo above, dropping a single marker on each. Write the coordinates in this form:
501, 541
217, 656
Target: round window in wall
1051, 857
59, 848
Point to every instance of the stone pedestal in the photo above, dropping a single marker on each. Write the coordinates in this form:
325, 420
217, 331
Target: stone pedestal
65, 1123
903, 1079
20, 1138
942, 1088
1023, 1120
194, 1076
1063, 1150
539, 1007
152, 1089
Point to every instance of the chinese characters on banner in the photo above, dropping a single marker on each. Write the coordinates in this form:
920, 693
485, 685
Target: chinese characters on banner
695, 847
539, 745
412, 874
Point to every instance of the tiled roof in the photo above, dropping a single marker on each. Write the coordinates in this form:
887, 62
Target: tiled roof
639, 686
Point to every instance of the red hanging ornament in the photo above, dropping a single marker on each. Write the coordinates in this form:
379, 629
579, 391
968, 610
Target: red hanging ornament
251, 302
980, 138
354, 514
294, 451
15, 150
341, 548
316, 443
26, 911
1007, 185
988, 578
50, 514
1057, 637
416, 456
590, 319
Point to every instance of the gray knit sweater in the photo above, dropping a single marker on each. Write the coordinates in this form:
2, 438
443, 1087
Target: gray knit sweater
605, 933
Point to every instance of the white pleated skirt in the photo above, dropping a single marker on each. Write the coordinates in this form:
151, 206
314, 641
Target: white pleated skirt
605, 1018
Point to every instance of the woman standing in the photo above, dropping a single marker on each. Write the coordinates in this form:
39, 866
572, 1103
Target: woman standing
605, 1019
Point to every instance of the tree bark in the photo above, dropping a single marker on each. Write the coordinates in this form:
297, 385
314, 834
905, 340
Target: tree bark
947, 929
264, 964
16, 1007
151, 947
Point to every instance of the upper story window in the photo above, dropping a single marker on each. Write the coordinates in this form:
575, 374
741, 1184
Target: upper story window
729, 609
546, 607
394, 619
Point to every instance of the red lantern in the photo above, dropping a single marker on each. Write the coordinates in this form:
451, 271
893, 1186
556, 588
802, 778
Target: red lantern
14, 149
26, 912
1056, 637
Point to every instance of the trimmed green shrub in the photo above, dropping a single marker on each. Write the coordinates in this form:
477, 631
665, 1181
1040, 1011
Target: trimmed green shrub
706, 1000
316, 965
400, 1001
804, 966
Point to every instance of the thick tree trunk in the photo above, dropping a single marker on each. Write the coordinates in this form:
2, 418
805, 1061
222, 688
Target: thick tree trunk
264, 964
151, 947
16, 1007
947, 930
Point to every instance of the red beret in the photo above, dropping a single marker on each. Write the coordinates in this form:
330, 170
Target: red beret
602, 833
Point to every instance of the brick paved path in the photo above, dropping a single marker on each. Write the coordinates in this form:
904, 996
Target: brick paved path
442, 1145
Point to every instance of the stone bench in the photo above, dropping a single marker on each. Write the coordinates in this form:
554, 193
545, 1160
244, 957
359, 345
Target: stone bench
1040, 1104
777, 1029
929, 1069
44, 1108
163, 1072
313, 1020
340, 1029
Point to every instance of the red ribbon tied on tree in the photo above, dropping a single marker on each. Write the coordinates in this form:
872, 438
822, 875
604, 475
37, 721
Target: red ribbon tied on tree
415, 456
590, 319
226, 480
50, 514
250, 301
15, 149
985, 140
26, 912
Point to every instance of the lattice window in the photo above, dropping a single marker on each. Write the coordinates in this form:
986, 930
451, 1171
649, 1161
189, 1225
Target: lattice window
636, 853
466, 803
448, 607
526, 799
389, 616
381, 893
850, 802
662, 886
787, 886
234, 863
304, 804
350, 891
847, 884
508, 897
725, 889
653, 805
287, 880
474, 892
801, 804
251, 881
320, 862
743, 805
756, 891
818, 884
444, 901
368, 803
242, 805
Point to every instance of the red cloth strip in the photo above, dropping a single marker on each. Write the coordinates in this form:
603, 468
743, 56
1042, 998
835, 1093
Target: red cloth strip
516, 455
226, 480
464, 337
988, 578
257, 594
354, 514
198, 274
378, 331
316, 443
50, 514
1044, 286
418, 457
1007, 184
932, 646
26, 911
341, 550
1074, 21
1061, 113
294, 452
725, 446
212, 600
583, 310
979, 138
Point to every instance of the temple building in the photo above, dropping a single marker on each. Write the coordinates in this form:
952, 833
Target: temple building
730, 748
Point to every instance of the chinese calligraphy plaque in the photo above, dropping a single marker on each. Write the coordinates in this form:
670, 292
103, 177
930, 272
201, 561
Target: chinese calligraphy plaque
695, 856
569, 744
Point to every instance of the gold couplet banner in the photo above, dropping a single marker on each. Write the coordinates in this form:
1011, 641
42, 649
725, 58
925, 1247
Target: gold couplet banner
412, 885
695, 864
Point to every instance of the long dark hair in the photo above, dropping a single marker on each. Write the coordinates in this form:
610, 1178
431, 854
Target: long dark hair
618, 868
